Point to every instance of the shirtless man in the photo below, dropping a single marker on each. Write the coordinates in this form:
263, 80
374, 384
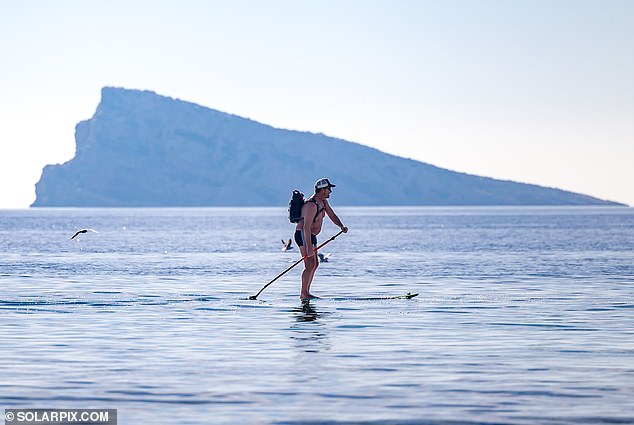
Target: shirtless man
313, 212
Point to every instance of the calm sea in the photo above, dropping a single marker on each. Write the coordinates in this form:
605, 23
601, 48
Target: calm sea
525, 315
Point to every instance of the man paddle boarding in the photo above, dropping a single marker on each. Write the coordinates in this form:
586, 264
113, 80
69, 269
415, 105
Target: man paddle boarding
309, 226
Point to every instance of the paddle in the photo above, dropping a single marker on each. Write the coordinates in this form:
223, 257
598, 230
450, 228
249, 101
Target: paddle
253, 297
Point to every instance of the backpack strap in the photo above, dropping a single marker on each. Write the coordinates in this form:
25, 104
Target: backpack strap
319, 210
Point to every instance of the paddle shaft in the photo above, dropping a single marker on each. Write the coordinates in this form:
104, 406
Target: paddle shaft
332, 238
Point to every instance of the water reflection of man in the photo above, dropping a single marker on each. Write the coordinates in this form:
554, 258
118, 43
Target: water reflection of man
309, 330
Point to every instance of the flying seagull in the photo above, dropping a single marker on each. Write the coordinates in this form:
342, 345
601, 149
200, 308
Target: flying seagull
83, 231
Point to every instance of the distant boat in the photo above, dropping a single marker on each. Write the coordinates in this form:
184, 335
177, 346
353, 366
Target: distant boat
79, 232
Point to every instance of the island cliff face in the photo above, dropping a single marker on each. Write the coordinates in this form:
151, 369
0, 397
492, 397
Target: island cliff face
141, 149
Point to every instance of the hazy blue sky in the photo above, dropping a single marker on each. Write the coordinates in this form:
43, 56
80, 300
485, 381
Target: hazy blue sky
533, 91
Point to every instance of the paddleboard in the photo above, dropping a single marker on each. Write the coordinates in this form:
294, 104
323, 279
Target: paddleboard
407, 296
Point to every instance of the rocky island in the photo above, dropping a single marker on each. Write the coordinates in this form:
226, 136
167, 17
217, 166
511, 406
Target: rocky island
141, 149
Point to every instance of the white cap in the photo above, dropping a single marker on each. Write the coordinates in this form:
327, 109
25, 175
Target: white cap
323, 183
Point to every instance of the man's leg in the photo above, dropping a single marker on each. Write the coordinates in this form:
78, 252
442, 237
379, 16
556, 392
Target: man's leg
315, 264
308, 273
312, 274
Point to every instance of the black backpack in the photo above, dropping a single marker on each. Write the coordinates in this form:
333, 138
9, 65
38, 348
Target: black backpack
295, 206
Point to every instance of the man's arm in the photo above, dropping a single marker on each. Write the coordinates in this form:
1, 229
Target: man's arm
334, 218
